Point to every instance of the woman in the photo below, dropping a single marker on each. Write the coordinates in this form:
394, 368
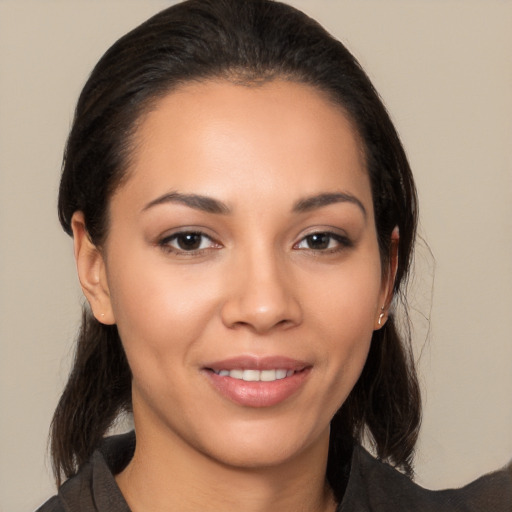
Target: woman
243, 216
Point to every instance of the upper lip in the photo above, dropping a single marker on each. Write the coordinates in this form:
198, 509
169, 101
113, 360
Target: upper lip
250, 362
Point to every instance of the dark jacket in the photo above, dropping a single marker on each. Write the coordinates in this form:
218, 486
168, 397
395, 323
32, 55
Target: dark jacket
372, 486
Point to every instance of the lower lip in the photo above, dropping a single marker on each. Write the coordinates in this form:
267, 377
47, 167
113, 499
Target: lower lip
258, 394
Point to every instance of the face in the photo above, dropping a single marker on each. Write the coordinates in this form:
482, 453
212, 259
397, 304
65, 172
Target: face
242, 270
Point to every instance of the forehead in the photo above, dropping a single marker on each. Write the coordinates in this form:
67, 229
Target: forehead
224, 139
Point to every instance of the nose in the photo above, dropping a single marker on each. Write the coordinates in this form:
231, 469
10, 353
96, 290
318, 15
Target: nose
262, 295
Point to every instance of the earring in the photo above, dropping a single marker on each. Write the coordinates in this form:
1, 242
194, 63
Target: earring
381, 316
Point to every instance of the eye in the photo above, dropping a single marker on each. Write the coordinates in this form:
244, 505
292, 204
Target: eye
324, 241
187, 242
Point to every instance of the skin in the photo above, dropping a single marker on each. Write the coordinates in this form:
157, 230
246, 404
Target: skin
258, 284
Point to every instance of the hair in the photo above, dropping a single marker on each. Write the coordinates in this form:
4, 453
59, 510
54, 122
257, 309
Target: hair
246, 42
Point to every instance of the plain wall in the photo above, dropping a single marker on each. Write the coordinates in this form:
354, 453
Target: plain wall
444, 69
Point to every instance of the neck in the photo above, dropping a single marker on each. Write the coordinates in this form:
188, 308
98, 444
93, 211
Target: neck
166, 474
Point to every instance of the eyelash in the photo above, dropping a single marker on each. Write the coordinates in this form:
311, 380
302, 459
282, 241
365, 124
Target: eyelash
342, 243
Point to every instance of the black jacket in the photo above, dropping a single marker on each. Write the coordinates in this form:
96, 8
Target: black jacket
372, 487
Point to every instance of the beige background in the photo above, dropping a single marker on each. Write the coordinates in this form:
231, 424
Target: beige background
443, 67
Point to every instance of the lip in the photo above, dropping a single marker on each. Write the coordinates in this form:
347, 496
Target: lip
257, 394
249, 362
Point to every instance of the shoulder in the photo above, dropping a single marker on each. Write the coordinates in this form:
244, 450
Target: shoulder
375, 486
52, 505
93, 488
76, 493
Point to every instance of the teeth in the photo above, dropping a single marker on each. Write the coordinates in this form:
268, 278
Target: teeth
256, 375
251, 375
268, 375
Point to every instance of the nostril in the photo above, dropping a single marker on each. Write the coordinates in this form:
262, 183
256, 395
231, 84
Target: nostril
261, 308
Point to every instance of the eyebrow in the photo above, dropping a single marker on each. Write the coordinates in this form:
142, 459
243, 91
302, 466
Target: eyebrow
198, 202
210, 205
318, 201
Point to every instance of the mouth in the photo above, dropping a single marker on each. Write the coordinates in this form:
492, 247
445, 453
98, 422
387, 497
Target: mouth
257, 382
256, 375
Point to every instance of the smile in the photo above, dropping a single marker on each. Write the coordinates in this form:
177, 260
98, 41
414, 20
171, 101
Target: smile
257, 381
256, 375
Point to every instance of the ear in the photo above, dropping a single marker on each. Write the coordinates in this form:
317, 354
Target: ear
91, 271
388, 280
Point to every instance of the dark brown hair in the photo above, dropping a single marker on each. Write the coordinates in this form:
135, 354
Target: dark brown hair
245, 41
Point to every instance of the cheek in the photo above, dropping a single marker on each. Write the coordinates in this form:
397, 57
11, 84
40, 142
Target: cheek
346, 301
344, 318
160, 311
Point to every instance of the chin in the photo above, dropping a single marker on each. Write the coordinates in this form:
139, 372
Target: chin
248, 456
259, 446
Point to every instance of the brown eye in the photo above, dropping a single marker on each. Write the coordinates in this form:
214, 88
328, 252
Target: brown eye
187, 241
324, 241
318, 241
